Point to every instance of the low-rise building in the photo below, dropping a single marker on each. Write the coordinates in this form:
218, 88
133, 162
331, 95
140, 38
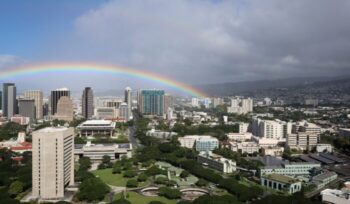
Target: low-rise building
335, 196
239, 136
216, 162
321, 180
200, 142
268, 142
275, 165
281, 183
96, 128
244, 147
324, 148
272, 151
20, 120
160, 134
207, 144
104, 113
96, 151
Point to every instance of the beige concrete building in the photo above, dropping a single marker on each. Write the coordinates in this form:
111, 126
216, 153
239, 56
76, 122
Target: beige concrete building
64, 109
302, 140
53, 162
37, 96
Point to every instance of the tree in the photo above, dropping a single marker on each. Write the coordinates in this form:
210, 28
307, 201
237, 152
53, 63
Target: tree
154, 170
92, 189
169, 193
106, 159
130, 174
132, 183
116, 170
184, 174
142, 177
201, 182
16, 188
84, 163
161, 180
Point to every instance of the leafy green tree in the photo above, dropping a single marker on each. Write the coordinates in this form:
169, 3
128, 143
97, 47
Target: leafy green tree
161, 180
84, 163
131, 183
154, 170
16, 188
129, 174
184, 174
116, 170
106, 159
201, 182
142, 177
169, 193
92, 189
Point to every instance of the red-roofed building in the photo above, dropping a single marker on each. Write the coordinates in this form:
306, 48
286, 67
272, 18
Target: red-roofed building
22, 147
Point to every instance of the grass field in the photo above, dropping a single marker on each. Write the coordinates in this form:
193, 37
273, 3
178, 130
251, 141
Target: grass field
140, 199
113, 179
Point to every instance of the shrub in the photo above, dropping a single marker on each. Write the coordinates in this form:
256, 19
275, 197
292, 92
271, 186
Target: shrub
169, 193
132, 183
201, 182
142, 177
130, 174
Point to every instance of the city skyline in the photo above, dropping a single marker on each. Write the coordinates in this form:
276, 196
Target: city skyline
179, 41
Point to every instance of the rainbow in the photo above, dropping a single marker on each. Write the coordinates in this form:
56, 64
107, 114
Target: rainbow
108, 69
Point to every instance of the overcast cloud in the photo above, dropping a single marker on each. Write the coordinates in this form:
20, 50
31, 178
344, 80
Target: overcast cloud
206, 41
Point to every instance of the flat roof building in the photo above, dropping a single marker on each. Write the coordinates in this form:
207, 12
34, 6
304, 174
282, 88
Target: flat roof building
281, 183
53, 162
216, 162
96, 128
96, 151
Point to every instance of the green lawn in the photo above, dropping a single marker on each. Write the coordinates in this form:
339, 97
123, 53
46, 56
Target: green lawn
113, 179
140, 199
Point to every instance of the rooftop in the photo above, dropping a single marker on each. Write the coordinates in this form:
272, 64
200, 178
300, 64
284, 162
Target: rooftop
281, 178
97, 122
52, 129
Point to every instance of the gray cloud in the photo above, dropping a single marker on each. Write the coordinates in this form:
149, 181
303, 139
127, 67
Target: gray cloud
203, 41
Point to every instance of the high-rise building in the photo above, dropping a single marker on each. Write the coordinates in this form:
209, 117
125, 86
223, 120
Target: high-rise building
128, 101
271, 129
53, 162
26, 108
0, 100
87, 103
64, 109
151, 102
9, 102
240, 105
38, 101
55, 96
168, 102
124, 111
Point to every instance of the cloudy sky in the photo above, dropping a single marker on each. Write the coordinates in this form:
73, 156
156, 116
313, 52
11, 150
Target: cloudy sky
192, 41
